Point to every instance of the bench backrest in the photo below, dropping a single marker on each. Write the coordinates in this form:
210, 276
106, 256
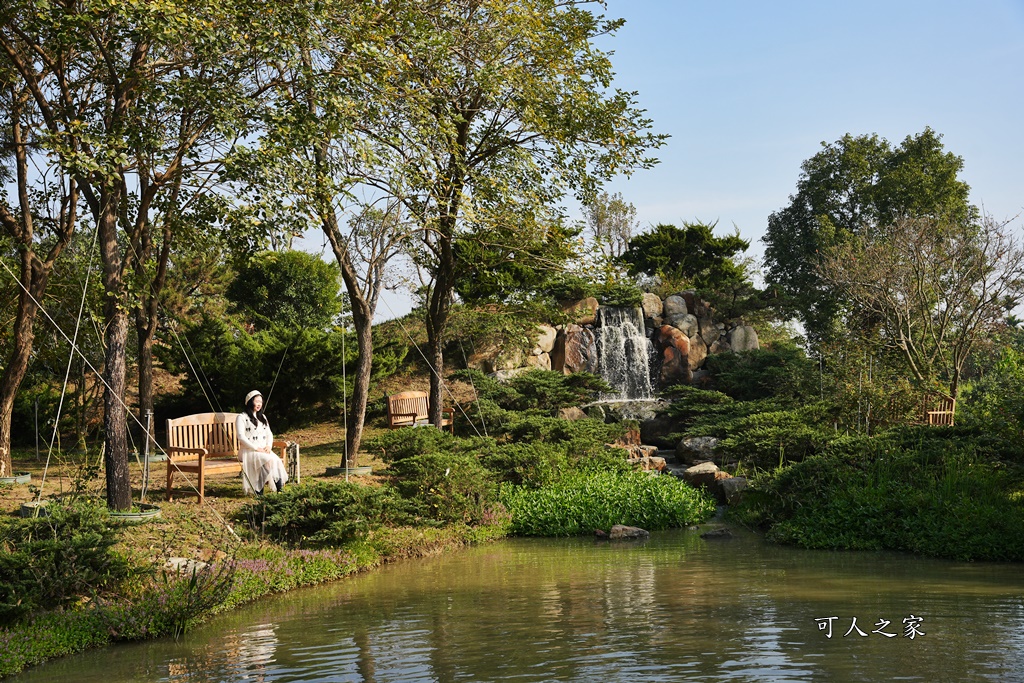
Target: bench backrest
407, 403
212, 431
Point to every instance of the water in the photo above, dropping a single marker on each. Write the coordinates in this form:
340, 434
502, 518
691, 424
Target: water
676, 608
624, 353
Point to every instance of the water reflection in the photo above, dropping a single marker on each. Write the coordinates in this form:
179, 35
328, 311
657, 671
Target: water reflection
672, 609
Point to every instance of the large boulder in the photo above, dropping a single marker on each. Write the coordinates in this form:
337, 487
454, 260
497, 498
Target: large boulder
675, 350
652, 305
687, 324
698, 352
622, 532
709, 331
707, 476
575, 350
744, 338
584, 310
732, 489
695, 449
493, 359
675, 305
541, 361
657, 430
546, 335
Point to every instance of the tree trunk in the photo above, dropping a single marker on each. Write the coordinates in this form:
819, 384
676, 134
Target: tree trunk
33, 279
438, 308
362, 317
119, 493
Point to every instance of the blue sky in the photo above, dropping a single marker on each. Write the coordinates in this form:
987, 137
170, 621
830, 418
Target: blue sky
749, 90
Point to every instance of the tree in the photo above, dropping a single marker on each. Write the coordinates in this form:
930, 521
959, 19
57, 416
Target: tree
493, 112
849, 188
288, 289
935, 287
127, 96
40, 223
612, 222
690, 256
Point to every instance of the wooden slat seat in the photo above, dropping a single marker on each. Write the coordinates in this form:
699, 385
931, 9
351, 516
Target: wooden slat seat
410, 409
204, 444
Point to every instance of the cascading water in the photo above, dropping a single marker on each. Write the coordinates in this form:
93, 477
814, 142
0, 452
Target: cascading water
624, 354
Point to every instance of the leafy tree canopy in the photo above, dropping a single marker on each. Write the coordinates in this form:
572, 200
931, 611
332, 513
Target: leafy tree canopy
688, 256
851, 187
287, 289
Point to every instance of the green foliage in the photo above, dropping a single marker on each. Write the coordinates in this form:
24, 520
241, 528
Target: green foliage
447, 488
536, 391
398, 444
928, 491
783, 371
850, 186
54, 561
527, 464
288, 289
688, 256
993, 402
305, 368
325, 513
586, 500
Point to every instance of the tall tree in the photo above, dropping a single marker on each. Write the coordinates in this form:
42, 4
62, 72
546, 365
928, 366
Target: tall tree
495, 110
612, 222
110, 81
40, 223
936, 287
849, 188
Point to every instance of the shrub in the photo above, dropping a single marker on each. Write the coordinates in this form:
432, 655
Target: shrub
587, 500
399, 444
326, 513
446, 487
529, 464
783, 371
50, 562
906, 490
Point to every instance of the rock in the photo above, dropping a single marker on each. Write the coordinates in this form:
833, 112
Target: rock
690, 297
657, 429
702, 475
675, 349
709, 331
743, 338
184, 565
698, 352
575, 350
675, 305
687, 324
572, 414
649, 463
732, 489
717, 535
622, 532
652, 305
510, 373
541, 361
696, 448
584, 310
546, 338
720, 346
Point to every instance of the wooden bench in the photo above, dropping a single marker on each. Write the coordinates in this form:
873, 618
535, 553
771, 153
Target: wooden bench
409, 409
205, 444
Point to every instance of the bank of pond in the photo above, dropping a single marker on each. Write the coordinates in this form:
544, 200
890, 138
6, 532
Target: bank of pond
73, 581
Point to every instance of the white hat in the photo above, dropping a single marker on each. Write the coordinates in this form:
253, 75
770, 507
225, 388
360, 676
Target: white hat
251, 395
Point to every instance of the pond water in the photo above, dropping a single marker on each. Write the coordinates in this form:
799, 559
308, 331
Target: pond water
673, 608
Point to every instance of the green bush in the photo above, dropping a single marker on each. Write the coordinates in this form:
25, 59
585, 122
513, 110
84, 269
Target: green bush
767, 440
446, 487
583, 501
399, 444
783, 371
50, 562
326, 513
924, 492
526, 464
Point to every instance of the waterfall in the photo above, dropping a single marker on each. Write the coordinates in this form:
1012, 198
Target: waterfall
624, 353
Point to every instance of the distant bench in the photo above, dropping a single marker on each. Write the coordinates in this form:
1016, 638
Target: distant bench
206, 443
410, 409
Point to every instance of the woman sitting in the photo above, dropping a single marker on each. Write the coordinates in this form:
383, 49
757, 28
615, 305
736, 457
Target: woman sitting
261, 467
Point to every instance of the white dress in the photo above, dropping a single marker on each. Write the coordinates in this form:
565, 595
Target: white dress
260, 466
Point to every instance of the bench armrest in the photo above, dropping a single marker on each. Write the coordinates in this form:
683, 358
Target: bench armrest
175, 453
